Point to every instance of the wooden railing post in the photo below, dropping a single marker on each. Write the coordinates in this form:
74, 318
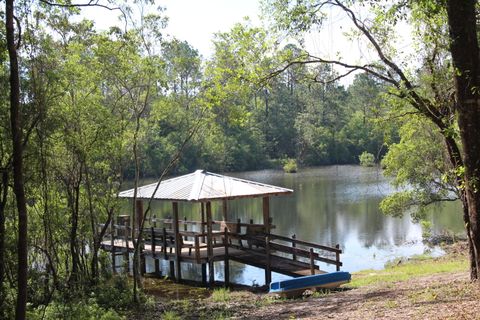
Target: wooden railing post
294, 246
202, 225
226, 262
178, 247
337, 257
165, 243
211, 271
197, 249
112, 234
268, 271
312, 262
152, 244
238, 228
185, 227
127, 245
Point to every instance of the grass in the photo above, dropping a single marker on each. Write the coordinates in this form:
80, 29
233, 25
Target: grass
221, 295
401, 271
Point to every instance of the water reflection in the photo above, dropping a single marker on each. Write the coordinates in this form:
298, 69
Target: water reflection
330, 205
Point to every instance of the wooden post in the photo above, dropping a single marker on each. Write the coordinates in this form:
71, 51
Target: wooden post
224, 210
172, 270
266, 214
238, 229
268, 270
185, 227
154, 221
204, 274
226, 271
211, 274
178, 247
157, 266
152, 241
112, 233
197, 249
127, 245
312, 262
337, 257
165, 243
202, 226
294, 246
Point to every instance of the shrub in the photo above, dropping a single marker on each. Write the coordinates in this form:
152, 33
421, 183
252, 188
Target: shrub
221, 295
290, 166
367, 159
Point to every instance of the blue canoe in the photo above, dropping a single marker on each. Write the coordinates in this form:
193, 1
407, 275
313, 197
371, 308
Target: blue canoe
296, 286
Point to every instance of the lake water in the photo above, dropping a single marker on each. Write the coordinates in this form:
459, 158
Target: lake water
330, 205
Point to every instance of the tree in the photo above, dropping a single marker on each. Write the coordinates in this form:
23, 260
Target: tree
431, 104
17, 158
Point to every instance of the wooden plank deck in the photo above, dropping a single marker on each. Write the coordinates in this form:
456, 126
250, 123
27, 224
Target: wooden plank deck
251, 256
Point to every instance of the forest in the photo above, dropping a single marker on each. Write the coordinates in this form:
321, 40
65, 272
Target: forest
84, 111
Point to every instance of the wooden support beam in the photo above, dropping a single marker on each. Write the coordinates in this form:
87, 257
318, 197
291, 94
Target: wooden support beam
127, 253
266, 214
294, 246
172, 270
204, 274
157, 266
312, 262
165, 244
268, 270
337, 257
185, 228
112, 234
202, 226
211, 272
178, 247
224, 210
226, 270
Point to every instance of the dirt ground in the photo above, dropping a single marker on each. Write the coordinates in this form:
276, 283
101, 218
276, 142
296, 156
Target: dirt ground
437, 296
442, 296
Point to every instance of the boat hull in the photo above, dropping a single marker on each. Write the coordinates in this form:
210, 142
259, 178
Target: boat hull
295, 287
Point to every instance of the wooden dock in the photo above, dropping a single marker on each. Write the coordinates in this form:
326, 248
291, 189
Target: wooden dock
245, 243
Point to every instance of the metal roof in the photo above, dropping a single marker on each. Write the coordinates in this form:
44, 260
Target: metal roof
204, 186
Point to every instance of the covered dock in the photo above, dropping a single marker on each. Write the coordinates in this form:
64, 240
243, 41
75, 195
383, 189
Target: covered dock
206, 240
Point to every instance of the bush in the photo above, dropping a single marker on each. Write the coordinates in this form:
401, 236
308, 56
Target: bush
290, 166
221, 295
78, 310
367, 159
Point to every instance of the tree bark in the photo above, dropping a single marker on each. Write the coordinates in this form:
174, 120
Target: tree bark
3, 202
17, 161
465, 58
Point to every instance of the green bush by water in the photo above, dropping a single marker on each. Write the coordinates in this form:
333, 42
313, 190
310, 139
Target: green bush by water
290, 166
367, 159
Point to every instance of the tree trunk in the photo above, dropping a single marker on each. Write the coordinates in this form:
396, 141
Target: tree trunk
17, 154
3, 202
465, 58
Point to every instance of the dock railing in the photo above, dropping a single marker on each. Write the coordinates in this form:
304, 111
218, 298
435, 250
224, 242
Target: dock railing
160, 242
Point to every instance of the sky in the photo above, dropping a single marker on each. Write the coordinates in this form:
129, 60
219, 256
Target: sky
195, 21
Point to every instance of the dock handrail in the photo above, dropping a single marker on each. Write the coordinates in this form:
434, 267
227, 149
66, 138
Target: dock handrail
305, 243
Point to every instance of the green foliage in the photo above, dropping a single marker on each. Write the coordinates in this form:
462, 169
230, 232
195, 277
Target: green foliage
221, 295
367, 159
171, 315
84, 310
290, 166
420, 170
